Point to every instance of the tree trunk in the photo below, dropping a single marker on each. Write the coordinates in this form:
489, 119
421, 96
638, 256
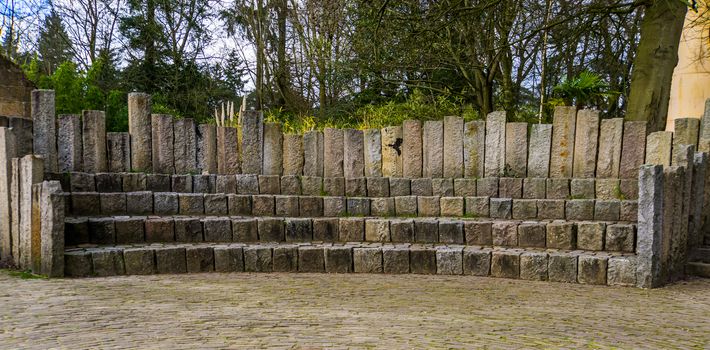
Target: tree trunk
656, 58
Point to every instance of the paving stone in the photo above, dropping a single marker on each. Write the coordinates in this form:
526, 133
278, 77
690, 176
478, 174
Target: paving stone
505, 264
558, 188
332, 186
188, 229
478, 232
139, 203
139, 261
399, 186
257, 259
181, 183
351, 229
199, 259
356, 187
269, 184
373, 153
620, 237
487, 187
102, 231
367, 260
608, 189
406, 205
428, 206
551, 209
464, 187
338, 259
129, 229
532, 234
442, 187
382, 206
285, 258
108, 262
271, 229
158, 183
534, 188
621, 271
629, 211
421, 187
505, 233
84, 203
402, 231
77, 264
245, 230
510, 187
217, 229
452, 206
247, 184
395, 260
291, 185
579, 209
562, 267
262, 205
204, 183
311, 259
191, 203
533, 266
334, 206
449, 260
286, 206
228, 259
170, 260
561, 235
582, 188
226, 184
592, 269
478, 207
239, 204
358, 206
451, 231
82, 182
426, 230
524, 208
107, 182
325, 229
501, 208
590, 235
378, 187
113, 203
298, 230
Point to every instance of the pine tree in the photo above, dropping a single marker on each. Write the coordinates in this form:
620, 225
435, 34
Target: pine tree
54, 45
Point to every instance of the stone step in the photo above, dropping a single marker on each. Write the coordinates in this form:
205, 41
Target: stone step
701, 254
570, 235
530, 264
699, 269
171, 203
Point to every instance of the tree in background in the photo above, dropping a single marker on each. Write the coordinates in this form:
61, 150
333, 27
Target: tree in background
54, 46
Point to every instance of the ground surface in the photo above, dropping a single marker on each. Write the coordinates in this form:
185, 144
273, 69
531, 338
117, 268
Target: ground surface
315, 311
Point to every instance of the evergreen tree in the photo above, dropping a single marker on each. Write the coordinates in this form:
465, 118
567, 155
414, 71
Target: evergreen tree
54, 46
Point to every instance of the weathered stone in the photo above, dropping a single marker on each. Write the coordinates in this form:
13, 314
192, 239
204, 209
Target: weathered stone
77, 264
539, 150
139, 203
191, 203
621, 271
217, 229
204, 183
353, 153
476, 261
453, 147
338, 259
378, 187
291, 185
15, 194
510, 187
82, 203
697, 199
395, 260
533, 266
165, 203
628, 211
82, 182
310, 206
478, 207
501, 208
607, 210
561, 235
356, 187
629, 189
590, 235
505, 264
239, 204
532, 234
402, 230
334, 206
245, 230
181, 183
76, 231
399, 186
269, 184
373, 152
592, 269
285, 258
422, 260
51, 249
478, 232
163, 139
311, 259
107, 262
159, 230
351, 229
392, 151
632, 148
579, 209
562, 267
199, 259
586, 136
112, 203
257, 259
704, 133
22, 128
333, 141
505, 233
495, 144
133, 182
325, 229
185, 148
313, 155
228, 259
619, 237
558, 188
227, 151
226, 184
247, 184
358, 206
534, 188
207, 148
474, 145
442, 187
377, 230
426, 230
109, 182
412, 152
44, 127
421, 187
139, 261
273, 149
31, 172
271, 229
405, 205
140, 128
433, 149
658, 148
608, 189
449, 260
452, 206
382, 206
316, 186
263, 205
685, 131
187, 229
451, 231
563, 132
69, 143
487, 186
298, 230
610, 143
582, 188
428, 206
524, 208
293, 159
94, 142
516, 149
464, 187
252, 141
367, 260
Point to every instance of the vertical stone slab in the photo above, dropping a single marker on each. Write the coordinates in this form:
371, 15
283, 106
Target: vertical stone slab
313, 144
15, 194
562, 148
69, 143
293, 161
7, 153
672, 232
704, 133
333, 152
227, 151
453, 147
610, 141
650, 226
686, 131
539, 150
373, 153
273, 149
31, 172
516, 149
633, 149
495, 144
585, 143
658, 148
474, 148
252, 136
207, 148
412, 156
392, 151
52, 229
185, 146
433, 149
697, 200
353, 153
35, 237
685, 154
163, 139
44, 127
119, 152
22, 128
139, 126
93, 139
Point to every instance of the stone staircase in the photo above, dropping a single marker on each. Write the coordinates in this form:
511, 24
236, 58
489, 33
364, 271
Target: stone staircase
699, 261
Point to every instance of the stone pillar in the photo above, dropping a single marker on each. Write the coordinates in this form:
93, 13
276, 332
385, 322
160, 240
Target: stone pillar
227, 151
373, 153
658, 148
495, 144
610, 137
273, 149
433, 149
453, 147
93, 135
15, 194
293, 155
139, 126
633, 149
22, 128
686, 131
474, 148
119, 152
585, 143
697, 200
685, 154
35, 239
704, 133
163, 140
650, 226
539, 150
45, 128
516, 149
69, 143
313, 153
31, 172
412, 157
353, 153
207, 148
252, 138
392, 151
7, 153
185, 146
52, 230
562, 151
673, 191
333, 152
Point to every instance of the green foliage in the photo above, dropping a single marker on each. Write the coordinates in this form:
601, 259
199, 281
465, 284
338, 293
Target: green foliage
583, 90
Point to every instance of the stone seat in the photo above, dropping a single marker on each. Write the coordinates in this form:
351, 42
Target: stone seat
553, 234
359, 257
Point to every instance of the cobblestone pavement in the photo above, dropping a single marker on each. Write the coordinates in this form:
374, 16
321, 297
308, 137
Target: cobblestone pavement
313, 311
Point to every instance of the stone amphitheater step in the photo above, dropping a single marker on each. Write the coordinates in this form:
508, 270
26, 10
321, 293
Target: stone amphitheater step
586, 235
701, 254
359, 257
699, 269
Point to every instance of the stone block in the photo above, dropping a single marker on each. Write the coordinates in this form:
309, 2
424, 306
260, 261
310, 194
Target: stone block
94, 142
406, 205
582, 188
239, 204
77, 264
373, 153
181, 183
351, 229
620, 237
199, 259
82, 182
298, 230
139, 126
165, 203
112, 203
285, 258
76, 231
318, 186
478, 232
382, 206
464, 187
487, 186
474, 135
293, 155
252, 141
399, 186
402, 230
378, 187
217, 229
563, 132
592, 269
107, 262
108, 182
452, 206
185, 147
367, 260
478, 207
629, 189
139, 203
263, 205
84, 203
311, 259
607, 210
516, 149
524, 208
426, 230
558, 188
273, 149
139, 261
313, 153
532, 235
395, 259
562, 267
159, 230
245, 230
269, 184
534, 188
501, 208
69, 143
551, 209
505, 233
476, 261
334, 206
333, 156
353, 153
586, 137
392, 151
170, 260
533, 266
433, 149
629, 211
133, 182
291, 185
338, 259
590, 235
579, 209
453, 147
271, 229
442, 187
163, 142
449, 260
325, 229
451, 231
632, 148
310, 206
505, 264
608, 189
377, 230
421, 187
191, 203
207, 148
216, 204
228, 259
227, 151
658, 148
102, 231
286, 205
610, 138
188, 229
539, 150
356, 187
412, 151
561, 235
495, 144
621, 271
428, 206
257, 259
247, 184
358, 206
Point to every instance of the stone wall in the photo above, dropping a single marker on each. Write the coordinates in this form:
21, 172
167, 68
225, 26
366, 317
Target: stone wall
14, 90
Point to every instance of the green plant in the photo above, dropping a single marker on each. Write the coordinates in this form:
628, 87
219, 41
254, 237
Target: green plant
582, 91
